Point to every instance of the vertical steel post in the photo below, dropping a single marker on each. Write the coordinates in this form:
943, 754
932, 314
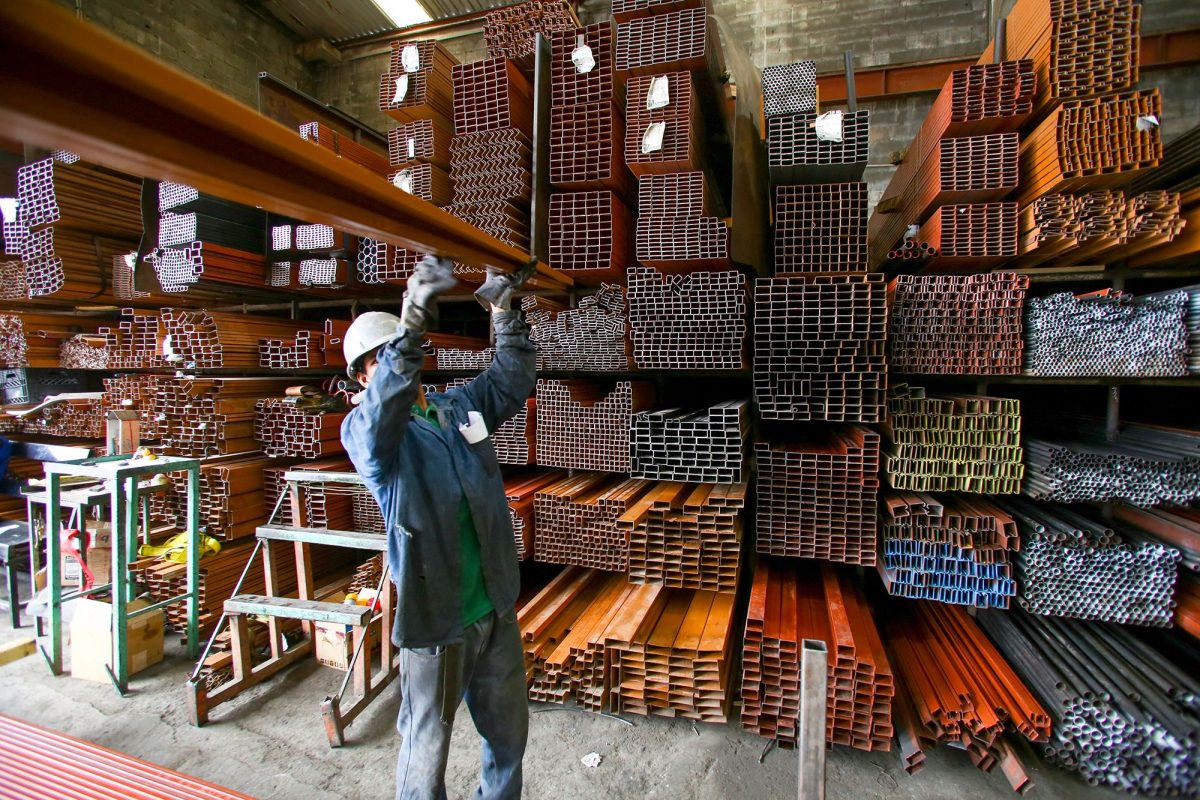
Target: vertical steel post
54, 569
193, 559
1001, 40
120, 537
851, 91
539, 218
810, 739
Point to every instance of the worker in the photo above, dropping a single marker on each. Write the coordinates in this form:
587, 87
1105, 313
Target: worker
430, 463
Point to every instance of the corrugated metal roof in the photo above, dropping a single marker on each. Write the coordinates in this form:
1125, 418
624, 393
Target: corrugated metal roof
443, 9
327, 19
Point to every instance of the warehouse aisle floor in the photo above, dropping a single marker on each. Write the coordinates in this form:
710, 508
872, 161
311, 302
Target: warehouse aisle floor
270, 743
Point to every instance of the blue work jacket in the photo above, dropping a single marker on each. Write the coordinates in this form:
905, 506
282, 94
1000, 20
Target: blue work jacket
419, 473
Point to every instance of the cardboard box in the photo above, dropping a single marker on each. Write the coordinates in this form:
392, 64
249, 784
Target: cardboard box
92, 641
333, 644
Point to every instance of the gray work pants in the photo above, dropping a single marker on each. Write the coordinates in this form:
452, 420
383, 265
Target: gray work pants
489, 671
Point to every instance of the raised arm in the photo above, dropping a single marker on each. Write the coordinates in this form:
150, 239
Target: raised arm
502, 389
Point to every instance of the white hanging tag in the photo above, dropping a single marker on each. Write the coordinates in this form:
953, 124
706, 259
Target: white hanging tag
659, 95
829, 126
412, 147
130, 260
401, 89
8, 209
582, 56
1147, 123
911, 231
410, 58
404, 180
652, 139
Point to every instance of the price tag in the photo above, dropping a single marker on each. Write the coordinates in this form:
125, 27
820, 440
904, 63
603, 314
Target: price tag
412, 147
652, 139
582, 56
401, 89
829, 126
410, 58
659, 95
8, 209
404, 180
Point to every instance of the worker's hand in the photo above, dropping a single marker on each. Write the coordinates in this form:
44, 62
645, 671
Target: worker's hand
431, 277
496, 293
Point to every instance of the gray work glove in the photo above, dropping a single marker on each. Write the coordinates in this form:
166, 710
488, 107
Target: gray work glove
430, 278
497, 291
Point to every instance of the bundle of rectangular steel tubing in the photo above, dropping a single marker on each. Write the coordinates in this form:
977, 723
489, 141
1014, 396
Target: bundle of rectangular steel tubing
590, 236
820, 346
817, 495
179, 228
587, 147
77, 419
664, 129
491, 94
692, 321
1123, 575
592, 79
422, 141
211, 416
966, 325
134, 342
284, 431
519, 489
426, 181
1091, 144
207, 271
419, 86
1078, 48
708, 445
1105, 225
673, 233
511, 31
138, 393
678, 40
956, 551
794, 601
624, 10
346, 147
59, 263
202, 339
380, 263
686, 536
644, 649
1113, 334
820, 227
796, 154
971, 236
1145, 466
591, 336
39, 763
452, 352
314, 345
83, 351
232, 498
576, 520
34, 339
314, 504
515, 441
1121, 702
420, 55
983, 100
953, 442
585, 425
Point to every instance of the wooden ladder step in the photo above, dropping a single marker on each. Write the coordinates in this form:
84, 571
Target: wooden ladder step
293, 608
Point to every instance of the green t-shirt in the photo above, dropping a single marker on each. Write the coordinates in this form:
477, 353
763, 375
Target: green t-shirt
475, 601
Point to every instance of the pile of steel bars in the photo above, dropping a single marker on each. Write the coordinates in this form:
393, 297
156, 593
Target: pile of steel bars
816, 497
1144, 466
1108, 333
952, 550
789, 88
819, 347
953, 443
312, 346
576, 520
820, 228
583, 425
232, 499
1106, 225
1177, 173
418, 82
664, 130
797, 153
673, 233
693, 321
686, 536
590, 336
1179, 528
1124, 711
286, 431
365, 156
673, 40
962, 690
707, 446
510, 31
590, 236
520, 489
211, 416
203, 339
960, 325
793, 601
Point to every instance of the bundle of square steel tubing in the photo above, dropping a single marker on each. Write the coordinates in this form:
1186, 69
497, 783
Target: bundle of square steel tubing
624, 10
207, 271
520, 489
321, 505
576, 520
708, 445
1078, 48
819, 347
324, 136
459, 352
1108, 334
204, 339
82, 351
954, 550
138, 393
211, 416
64, 207
821, 227
424, 180
134, 342
797, 154
960, 325
76, 419
1144, 466
985, 100
953, 442
515, 441
587, 147
693, 321
589, 80
590, 236
789, 88
311, 347
664, 130
35, 340
1119, 717
232, 499
817, 496
1106, 225
511, 31
687, 536
591, 336
422, 141
794, 601
962, 690
284, 431
418, 82
674, 40
583, 425
673, 233
1074, 566
970, 237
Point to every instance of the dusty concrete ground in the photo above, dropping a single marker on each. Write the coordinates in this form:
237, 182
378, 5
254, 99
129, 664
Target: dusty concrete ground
269, 743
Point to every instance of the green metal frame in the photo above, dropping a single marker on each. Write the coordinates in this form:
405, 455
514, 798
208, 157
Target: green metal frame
123, 501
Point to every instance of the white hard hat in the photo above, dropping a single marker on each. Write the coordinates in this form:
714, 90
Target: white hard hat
367, 332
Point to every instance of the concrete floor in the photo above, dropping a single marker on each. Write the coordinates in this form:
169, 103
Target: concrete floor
269, 743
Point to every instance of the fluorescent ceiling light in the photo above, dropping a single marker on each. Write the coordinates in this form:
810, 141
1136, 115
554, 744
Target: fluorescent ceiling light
403, 12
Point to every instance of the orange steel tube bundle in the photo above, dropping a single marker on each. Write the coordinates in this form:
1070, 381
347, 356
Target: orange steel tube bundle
285, 431
420, 141
324, 136
211, 416
576, 520
510, 31
520, 489
34, 339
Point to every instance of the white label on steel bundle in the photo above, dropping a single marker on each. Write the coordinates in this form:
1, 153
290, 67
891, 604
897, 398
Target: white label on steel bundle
659, 95
401, 89
652, 139
412, 147
829, 126
404, 180
410, 57
582, 56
